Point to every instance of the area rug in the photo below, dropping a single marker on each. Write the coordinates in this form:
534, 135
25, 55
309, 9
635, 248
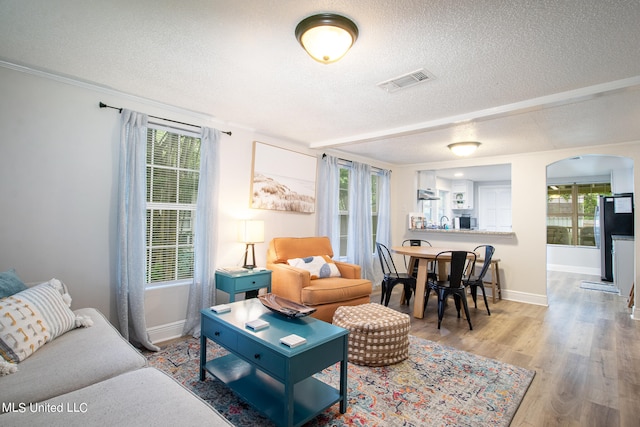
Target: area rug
599, 286
436, 386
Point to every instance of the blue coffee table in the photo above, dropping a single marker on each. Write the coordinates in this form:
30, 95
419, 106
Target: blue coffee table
273, 378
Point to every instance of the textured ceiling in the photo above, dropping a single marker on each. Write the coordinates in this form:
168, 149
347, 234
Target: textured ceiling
516, 75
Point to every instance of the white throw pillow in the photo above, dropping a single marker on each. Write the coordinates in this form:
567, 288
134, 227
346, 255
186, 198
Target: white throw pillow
62, 288
319, 267
31, 318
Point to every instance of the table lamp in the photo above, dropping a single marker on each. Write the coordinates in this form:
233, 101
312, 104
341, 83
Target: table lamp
250, 232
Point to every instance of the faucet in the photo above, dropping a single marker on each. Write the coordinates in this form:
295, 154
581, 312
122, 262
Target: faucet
441, 218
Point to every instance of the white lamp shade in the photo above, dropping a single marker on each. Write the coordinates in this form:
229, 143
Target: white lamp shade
251, 231
463, 149
326, 43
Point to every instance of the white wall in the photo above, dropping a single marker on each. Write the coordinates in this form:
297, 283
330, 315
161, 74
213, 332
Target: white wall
58, 175
585, 260
524, 257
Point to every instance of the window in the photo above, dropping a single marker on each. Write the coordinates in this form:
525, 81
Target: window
435, 210
443, 206
173, 164
344, 208
570, 213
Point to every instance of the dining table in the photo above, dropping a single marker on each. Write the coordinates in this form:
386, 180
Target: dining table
423, 255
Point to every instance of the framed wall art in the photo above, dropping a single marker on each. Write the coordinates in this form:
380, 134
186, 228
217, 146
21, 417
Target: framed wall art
282, 179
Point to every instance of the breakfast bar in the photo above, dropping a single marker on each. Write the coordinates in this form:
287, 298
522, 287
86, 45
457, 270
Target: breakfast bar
463, 231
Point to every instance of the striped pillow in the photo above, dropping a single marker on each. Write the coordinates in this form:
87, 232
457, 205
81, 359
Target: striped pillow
30, 319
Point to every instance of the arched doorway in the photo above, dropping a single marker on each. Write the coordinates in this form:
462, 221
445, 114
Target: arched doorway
573, 184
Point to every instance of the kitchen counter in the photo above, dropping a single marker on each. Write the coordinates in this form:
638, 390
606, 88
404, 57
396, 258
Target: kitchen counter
463, 231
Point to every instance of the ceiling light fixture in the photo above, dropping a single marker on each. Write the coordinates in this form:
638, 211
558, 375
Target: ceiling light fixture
326, 37
463, 149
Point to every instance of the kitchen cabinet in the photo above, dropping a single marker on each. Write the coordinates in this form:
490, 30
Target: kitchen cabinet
623, 261
462, 194
427, 181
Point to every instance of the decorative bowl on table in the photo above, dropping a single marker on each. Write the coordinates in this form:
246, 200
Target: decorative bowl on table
284, 306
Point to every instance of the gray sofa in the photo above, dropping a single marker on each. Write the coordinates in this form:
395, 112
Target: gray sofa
92, 376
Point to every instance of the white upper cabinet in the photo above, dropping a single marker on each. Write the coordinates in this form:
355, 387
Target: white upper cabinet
427, 180
462, 194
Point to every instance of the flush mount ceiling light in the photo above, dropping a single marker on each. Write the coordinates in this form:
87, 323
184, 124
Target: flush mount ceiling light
463, 148
326, 37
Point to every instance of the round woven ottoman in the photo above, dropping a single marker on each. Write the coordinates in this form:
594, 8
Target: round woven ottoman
378, 335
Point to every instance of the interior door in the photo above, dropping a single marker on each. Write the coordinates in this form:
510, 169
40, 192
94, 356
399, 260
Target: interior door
494, 207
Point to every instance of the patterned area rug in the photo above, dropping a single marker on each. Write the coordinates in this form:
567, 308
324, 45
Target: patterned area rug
435, 386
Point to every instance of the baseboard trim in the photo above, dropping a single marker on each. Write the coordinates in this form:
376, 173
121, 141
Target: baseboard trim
166, 332
525, 297
574, 269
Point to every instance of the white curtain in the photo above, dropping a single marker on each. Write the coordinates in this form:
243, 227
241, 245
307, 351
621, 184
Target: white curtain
359, 240
132, 213
328, 214
383, 234
202, 290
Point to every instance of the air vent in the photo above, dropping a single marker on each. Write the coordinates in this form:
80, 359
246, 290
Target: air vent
406, 80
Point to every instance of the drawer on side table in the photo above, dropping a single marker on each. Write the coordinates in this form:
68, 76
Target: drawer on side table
264, 358
220, 334
252, 282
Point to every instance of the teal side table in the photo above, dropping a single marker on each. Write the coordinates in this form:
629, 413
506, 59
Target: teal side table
251, 280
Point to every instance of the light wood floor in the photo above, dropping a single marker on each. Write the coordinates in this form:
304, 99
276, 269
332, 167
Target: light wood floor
584, 347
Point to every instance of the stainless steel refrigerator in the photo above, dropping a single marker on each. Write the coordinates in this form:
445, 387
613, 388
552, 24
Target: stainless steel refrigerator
614, 216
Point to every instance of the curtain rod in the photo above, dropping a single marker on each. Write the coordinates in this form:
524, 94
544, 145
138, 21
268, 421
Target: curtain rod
103, 105
351, 161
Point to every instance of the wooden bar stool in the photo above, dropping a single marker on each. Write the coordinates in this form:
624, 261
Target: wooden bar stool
496, 286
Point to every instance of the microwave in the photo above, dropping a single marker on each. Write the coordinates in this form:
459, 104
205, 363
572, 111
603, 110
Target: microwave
468, 223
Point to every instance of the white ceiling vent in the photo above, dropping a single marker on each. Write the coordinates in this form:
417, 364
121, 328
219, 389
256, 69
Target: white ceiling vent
406, 80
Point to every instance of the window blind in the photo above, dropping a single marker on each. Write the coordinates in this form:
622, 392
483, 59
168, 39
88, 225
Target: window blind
173, 163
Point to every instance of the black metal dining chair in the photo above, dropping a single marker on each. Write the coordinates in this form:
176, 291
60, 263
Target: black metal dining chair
414, 272
413, 242
475, 282
461, 265
391, 276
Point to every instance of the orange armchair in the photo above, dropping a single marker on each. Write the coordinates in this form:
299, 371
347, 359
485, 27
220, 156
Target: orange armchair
324, 294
